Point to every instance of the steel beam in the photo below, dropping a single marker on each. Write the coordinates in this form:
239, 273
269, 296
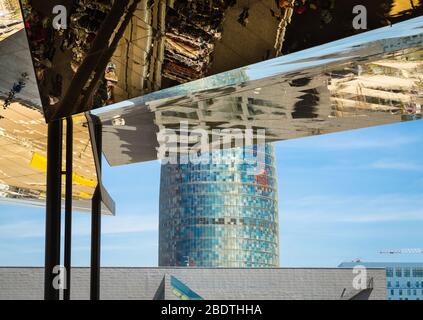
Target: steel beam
53, 208
68, 207
96, 215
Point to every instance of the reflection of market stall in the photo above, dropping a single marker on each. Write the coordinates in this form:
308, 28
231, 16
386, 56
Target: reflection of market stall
192, 29
393, 85
10, 18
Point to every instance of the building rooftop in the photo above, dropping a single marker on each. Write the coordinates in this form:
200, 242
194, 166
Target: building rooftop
225, 283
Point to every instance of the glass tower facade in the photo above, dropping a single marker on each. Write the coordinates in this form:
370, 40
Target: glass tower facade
220, 213
404, 281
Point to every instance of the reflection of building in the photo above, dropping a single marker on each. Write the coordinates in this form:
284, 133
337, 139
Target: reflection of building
201, 283
404, 281
391, 85
10, 18
220, 214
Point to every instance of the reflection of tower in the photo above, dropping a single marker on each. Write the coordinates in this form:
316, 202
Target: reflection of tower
220, 215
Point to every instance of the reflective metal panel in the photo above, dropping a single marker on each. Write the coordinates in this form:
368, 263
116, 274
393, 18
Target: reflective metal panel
23, 161
110, 51
23, 134
370, 79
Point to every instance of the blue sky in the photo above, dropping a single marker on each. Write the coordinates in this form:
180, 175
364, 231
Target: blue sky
341, 196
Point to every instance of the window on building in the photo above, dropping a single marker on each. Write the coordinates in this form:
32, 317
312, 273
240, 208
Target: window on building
408, 284
400, 292
392, 292
407, 272
389, 272
398, 272
389, 284
397, 284
418, 272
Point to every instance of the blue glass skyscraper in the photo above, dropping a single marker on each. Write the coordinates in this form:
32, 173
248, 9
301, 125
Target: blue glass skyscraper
220, 214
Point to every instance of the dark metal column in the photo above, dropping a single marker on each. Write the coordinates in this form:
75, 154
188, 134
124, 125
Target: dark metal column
53, 207
96, 217
68, 206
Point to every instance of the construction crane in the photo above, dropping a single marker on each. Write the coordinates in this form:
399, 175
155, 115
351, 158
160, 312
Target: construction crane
403, 251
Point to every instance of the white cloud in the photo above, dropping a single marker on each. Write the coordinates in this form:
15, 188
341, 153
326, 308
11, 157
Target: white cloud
130, 224
353, 209
396, 165
119, 224
22, 229
349, 141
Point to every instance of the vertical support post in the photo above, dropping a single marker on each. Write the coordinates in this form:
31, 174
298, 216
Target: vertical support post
53, 208
96, 217
68, 206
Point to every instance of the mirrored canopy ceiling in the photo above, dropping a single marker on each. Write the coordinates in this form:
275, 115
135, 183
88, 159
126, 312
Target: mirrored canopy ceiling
373, 78
23, 134
111, 51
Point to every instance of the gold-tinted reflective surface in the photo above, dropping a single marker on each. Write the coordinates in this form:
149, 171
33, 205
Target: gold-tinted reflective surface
113, 50
23, 134
10, 18
23, 160
370, 79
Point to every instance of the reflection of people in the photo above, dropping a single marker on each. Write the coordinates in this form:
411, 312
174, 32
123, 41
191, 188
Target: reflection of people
243, 17
284, 4
17, 88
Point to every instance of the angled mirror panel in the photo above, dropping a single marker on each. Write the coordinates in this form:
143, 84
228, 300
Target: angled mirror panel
104, 52
89, 54
370, 79
23, 130
23, 160
23, 134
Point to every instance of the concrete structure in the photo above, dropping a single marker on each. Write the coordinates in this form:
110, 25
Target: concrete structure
208, 284
404, 281
222, 212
